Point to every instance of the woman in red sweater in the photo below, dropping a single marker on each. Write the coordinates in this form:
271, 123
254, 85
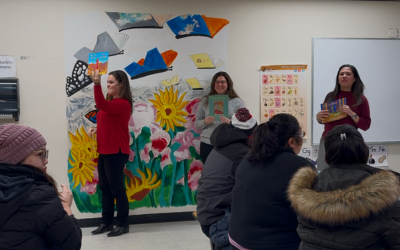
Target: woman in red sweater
113, 147
350, 86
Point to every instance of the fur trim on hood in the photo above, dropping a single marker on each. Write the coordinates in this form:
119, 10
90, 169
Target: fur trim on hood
371, 196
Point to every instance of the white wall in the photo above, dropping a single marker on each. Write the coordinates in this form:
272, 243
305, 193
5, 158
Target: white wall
262, 33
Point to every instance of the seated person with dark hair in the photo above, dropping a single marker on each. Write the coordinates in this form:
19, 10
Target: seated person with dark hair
349, 205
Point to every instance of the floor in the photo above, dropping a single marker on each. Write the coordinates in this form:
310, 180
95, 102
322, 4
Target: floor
185, 235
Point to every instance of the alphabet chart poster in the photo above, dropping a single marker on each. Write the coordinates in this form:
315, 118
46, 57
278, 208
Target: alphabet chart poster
284, 90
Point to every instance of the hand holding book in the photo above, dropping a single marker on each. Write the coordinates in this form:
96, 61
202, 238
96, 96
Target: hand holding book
95, 76
333, 111
322, 115
346, 109
209, 119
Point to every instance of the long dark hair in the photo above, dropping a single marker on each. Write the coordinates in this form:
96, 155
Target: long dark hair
275, 133
345, 145
230, 91
125, 92
357, 88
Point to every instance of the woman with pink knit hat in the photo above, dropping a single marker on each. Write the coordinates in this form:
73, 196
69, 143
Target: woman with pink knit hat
34, 215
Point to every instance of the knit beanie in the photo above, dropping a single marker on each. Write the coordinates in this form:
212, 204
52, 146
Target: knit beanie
244, 121
17, 142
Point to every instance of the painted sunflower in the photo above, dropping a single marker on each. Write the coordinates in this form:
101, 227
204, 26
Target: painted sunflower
83, 157
169, 108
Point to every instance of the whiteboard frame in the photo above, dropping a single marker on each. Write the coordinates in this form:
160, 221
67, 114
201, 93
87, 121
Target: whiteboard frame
312, 83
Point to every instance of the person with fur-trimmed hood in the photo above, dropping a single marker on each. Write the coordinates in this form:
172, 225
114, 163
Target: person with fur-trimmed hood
350, 205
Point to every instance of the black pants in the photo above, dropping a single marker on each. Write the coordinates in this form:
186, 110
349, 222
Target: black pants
205, 150
111, 182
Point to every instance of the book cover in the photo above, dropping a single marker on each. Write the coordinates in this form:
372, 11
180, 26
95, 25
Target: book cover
206, 61
334, 110
98, 61
218, 106
196, 84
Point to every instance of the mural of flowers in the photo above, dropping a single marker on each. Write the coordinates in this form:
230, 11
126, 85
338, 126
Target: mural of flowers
186, 140
164, 163
158, 145
191, 108
194, 174
169, 108
83, 153
137, 188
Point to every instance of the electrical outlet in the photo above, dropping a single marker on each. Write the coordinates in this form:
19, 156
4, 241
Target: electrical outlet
393, 32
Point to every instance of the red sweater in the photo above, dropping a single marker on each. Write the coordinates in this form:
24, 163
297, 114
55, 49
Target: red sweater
362, 111
112, 124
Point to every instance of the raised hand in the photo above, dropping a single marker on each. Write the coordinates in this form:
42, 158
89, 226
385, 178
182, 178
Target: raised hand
95, 76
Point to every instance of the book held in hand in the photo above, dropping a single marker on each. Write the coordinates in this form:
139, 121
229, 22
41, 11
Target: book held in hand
98, 61
334, 110
218, 106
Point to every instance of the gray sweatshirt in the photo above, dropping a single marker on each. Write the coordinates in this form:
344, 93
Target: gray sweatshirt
203, 112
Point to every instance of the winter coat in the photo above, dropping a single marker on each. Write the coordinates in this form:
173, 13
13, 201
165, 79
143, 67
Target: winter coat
349, 206
219, 232
261, 214
218, 176
32, 216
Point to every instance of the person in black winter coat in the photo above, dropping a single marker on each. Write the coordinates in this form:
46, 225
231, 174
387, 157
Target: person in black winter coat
350, 205
33, 214
230, 143
261, 214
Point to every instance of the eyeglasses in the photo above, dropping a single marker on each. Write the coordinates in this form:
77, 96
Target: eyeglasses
221, 82
303, 134
44, 153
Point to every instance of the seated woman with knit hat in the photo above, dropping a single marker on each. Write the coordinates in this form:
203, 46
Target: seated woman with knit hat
230, 143
34, 215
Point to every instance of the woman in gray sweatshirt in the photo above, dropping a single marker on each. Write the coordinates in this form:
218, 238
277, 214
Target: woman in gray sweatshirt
221, 84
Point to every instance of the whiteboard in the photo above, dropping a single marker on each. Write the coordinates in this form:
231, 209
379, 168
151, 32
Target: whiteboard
378, 63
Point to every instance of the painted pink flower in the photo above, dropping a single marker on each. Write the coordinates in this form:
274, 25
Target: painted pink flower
196, 167
142, 116
145, 153
191, 108
91, 187
158, 145
186, 140
165, 158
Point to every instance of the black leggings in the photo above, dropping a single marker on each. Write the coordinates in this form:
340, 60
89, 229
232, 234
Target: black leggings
111, 182
205, 150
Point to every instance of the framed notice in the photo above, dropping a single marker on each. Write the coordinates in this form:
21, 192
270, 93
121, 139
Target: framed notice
284, 90
218, 106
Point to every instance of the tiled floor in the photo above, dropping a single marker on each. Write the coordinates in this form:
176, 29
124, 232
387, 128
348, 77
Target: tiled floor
185, 235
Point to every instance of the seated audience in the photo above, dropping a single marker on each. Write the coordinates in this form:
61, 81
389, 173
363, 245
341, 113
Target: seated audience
261, 214
33, 214
230, 143
349, 205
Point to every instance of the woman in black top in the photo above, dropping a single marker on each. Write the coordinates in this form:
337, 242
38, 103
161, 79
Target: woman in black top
261, 214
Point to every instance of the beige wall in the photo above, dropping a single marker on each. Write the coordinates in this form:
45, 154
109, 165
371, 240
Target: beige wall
261, 33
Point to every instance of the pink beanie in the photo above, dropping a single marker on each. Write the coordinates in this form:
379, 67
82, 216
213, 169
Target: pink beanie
17, 142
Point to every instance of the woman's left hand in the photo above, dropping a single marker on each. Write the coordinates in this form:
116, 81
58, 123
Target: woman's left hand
225, 120
346, 109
